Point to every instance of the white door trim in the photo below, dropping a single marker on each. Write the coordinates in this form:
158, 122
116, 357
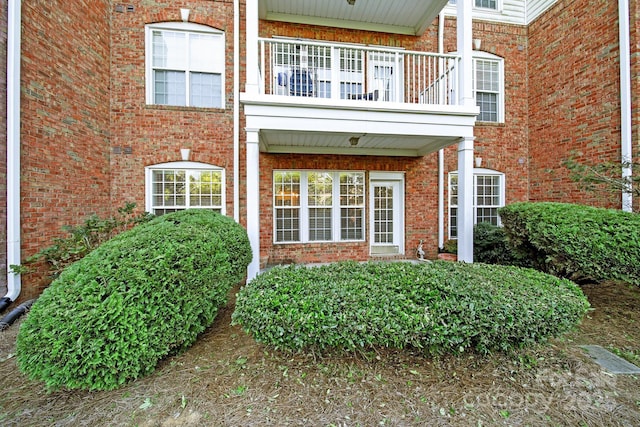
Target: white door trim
395, 180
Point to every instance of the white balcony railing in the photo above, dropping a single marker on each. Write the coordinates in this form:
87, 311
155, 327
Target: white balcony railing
342, 71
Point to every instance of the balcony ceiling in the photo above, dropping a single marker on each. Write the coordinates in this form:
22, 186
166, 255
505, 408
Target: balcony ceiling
338, 143
411, 17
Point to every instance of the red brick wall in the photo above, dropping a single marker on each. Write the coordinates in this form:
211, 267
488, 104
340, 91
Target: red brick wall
84, 97
420, 204
155, 134
65, 132
3, 148
574, 96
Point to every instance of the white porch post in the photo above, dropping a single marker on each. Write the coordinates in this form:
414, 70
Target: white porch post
465, 146
253, 200
465, 50
465, 200
252, 85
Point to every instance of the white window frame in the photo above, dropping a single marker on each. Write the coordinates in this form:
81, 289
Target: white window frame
189, 168
485, 56
304, 207
498, 8
477, 172
186, 28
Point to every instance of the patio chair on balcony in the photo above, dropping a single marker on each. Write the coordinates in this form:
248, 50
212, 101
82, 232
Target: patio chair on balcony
301, 83
370, 96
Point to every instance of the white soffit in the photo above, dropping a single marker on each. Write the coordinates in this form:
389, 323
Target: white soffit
411, 17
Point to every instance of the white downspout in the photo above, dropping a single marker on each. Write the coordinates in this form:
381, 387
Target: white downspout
626, 147
441, 151
236, 110
13, 147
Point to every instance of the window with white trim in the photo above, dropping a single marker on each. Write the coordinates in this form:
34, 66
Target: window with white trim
318, 206
175, 186
488, 197
185, 65
488, 86
487, 4
482, 4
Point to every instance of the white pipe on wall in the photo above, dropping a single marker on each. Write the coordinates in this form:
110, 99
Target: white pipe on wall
626, 147
13, 146
236, 110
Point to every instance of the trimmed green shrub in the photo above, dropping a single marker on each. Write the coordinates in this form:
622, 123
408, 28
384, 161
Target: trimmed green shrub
145, 294
574, 241
439, 307
491, 246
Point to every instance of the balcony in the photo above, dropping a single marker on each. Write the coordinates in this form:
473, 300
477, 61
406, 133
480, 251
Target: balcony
316, 97
339, 72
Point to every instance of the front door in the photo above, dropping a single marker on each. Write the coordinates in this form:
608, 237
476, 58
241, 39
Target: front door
387, 216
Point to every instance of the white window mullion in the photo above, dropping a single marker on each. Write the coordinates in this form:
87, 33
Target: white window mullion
187, 189
187, 71
336, 208
304, 207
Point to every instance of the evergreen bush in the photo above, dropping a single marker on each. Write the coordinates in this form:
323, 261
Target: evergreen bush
491, 246
145, 294
582, 243
439, 307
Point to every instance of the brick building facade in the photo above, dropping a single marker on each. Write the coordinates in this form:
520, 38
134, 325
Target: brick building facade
90, 137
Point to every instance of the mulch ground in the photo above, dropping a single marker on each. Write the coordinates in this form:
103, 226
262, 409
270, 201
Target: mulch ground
226, 379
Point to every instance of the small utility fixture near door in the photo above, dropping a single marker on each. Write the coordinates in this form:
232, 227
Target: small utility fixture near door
387, 213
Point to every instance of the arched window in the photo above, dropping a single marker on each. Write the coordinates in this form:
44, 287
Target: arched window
175, 186
185, 65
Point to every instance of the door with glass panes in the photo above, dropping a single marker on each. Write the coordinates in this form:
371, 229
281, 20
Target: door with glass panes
386, 215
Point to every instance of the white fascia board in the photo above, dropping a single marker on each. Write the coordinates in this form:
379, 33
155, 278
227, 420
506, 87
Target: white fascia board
341, 23
358, 121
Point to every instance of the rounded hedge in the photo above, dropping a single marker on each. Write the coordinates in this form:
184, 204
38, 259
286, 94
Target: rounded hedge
145, 294
579, 242
439, 307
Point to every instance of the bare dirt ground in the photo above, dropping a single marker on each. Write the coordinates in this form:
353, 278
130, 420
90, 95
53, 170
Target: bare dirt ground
226, 379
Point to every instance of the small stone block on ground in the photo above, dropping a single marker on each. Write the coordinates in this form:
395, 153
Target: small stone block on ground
609, 361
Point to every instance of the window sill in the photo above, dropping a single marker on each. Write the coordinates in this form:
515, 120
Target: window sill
493, 124
322, 242
182, 108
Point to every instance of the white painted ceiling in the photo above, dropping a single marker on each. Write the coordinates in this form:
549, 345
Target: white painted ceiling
392, 16
338, 143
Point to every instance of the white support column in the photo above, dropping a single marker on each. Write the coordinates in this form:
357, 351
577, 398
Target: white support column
465, 50
253, 200
252, 85
465, 146
465, 200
